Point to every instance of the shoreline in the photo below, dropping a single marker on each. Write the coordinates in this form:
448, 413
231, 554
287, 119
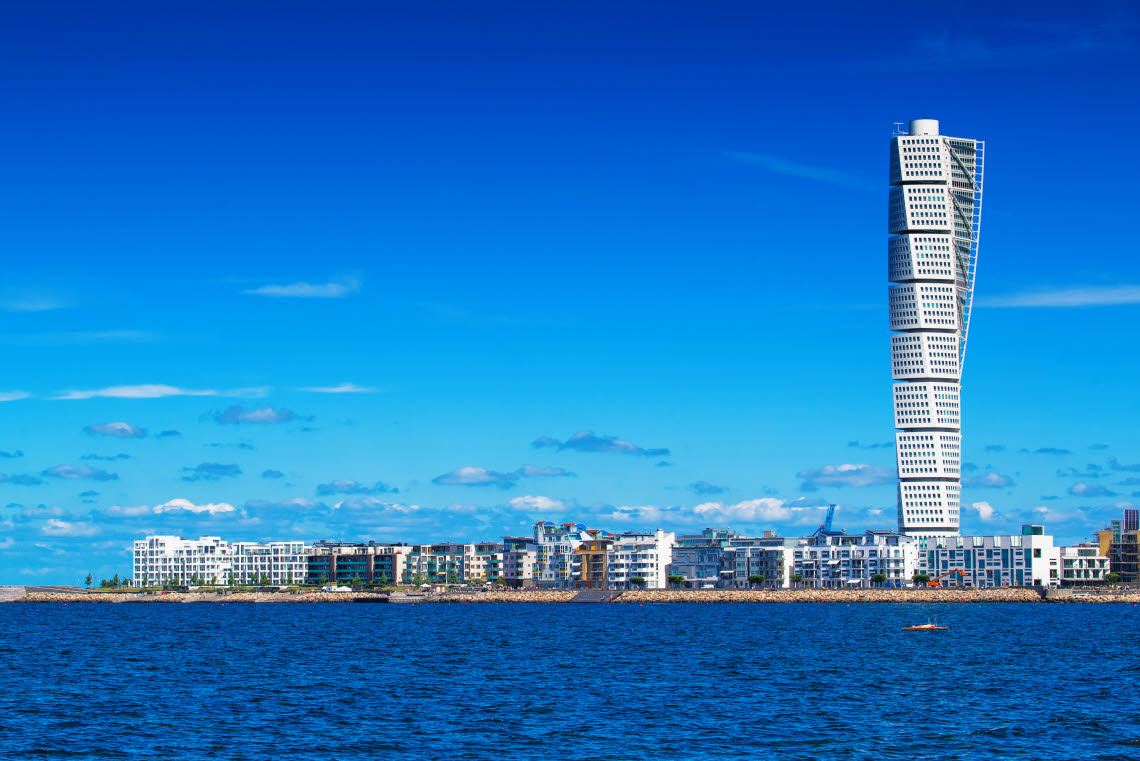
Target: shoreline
1020, 595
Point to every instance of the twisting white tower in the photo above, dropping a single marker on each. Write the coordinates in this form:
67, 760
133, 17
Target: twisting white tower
935, 214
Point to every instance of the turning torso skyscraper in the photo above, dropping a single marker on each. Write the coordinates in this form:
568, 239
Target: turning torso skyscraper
935, 214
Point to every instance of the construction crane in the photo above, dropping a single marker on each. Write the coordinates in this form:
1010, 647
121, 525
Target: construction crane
826, 525
934, 582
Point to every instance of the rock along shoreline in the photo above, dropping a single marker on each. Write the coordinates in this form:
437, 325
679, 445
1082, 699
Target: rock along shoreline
707, 596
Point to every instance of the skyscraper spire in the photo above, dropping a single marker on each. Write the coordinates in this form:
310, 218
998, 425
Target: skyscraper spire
934, 219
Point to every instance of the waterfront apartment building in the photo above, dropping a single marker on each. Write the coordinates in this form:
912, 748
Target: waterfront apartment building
557, 564
162, 560
837, 559
519, 556
1121, 544
722, 558
934, 222
455, 562
346, 563
1083, 565
636, 554
1020, 560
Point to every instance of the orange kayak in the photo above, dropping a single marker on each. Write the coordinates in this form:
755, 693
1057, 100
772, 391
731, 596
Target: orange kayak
925, 628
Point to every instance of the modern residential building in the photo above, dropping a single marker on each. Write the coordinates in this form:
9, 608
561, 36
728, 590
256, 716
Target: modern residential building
345, 563
1020, 560
519, 556
837, 559
557, 564
1121, 544
1083, 565
161, 560
644, 555
453, 562
722, 558
274, 562
934, 220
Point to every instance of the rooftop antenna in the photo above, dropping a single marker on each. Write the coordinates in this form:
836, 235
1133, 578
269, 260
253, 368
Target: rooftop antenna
898, 129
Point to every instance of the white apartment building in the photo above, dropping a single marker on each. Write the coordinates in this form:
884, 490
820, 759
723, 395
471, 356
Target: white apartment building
1019, 560
160, 560
836, 559
934, 223
1083, 565
279, 562
640, 555
556, 563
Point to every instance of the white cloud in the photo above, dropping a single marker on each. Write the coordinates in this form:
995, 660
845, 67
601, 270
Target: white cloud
176, 505
57, 527
334, 289
765, 509
7, 543
374, 505
343, 388
533, 503
1088, 296
985, 511
156, 391
13, 396
470, 475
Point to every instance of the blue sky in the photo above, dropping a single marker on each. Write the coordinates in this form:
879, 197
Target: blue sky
411, 271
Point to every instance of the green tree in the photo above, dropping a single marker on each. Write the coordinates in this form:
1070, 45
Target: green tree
755, 579
676, 579
88, 581
878, 578
452, 577
230, 578
418, 579
920, 579
355, 580
324, 579
1109, 578
115, 582
797, 578
383, 578
637, 581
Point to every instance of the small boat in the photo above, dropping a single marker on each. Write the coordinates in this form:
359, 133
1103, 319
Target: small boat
927, 627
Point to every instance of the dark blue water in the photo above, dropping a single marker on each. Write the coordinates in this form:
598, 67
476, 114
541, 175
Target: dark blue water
568, 681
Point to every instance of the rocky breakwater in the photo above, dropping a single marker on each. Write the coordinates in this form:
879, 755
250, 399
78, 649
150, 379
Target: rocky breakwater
509, 595
1018, 595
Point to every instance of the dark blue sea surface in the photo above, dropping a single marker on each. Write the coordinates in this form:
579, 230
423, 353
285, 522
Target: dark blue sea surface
500, 681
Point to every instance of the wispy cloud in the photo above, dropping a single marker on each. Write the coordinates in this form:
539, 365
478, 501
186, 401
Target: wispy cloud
988, 480
76, 337
74, 472
846, 474
586, 441
156, 391
353, 487
13, 396
1082, 489
334, 289
12, 455
20, 479
1087, 296
17, 300
237, 414
343, 388
57, 527
118, 429
473, 476
211, 471
705, 488
789, 168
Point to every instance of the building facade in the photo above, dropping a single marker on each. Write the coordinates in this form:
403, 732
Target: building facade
837, 559
163, 560
1019, 560
346, 563
934, 222
643, 555
1083, 565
